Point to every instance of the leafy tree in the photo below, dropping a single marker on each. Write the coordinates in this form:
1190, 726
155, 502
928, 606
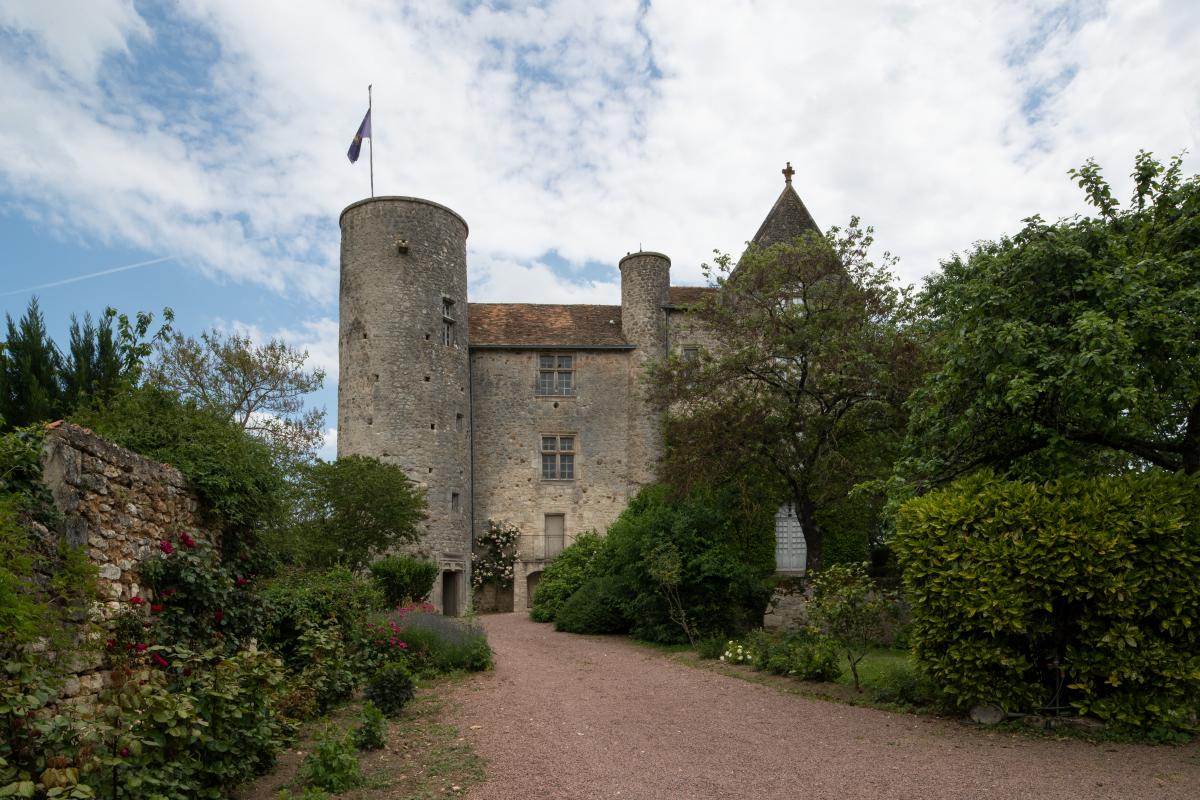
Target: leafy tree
234, 473
261, 388
30, 365
685, 567
1069, 347
102, 359
805, 393
37, 383
849, 609
352, 509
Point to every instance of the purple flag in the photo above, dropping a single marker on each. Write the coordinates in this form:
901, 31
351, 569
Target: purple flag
364, 132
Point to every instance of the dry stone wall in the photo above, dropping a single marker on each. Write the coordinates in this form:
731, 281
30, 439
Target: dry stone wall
117, 505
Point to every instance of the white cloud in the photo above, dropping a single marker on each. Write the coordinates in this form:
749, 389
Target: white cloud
78, 36
588, 129
328, 449
318, 337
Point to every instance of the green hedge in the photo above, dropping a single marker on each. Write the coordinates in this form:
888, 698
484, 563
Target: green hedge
404, 579
1100, 576
570, 570
594, 608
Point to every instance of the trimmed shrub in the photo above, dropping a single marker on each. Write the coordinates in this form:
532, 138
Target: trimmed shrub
570, 570
391, 689
1012, 582
404, 579
594, 608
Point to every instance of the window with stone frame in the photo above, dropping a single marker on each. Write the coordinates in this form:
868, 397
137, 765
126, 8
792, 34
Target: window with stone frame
690, 352
448, 321
556, 375
558, 457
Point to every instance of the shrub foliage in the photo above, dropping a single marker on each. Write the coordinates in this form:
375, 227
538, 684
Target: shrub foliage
1011, 582
404, 579
564, 576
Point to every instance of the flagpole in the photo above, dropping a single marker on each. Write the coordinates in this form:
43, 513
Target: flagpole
372, 151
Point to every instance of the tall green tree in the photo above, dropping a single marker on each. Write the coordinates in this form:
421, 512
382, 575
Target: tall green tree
31, 387
350, 510
108, 355
1069, 347
807, 388
260, 388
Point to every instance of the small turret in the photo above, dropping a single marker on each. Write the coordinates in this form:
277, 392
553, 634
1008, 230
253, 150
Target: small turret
645, 289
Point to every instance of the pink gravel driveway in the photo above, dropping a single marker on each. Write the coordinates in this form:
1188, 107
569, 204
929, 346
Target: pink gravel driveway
566, 716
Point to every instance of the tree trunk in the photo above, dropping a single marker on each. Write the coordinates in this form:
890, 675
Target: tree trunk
814, 539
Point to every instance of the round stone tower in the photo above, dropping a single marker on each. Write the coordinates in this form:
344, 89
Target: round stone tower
404, 371
645, 290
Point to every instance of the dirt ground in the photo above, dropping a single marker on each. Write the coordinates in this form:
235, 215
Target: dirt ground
565, 716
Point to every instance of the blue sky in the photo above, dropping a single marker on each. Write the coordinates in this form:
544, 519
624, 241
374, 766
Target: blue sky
213, 133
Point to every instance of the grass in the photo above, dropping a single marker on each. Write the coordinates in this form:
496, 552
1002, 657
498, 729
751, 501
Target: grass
876, 664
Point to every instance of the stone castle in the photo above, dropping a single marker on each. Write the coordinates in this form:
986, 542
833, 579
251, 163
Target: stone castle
533, 414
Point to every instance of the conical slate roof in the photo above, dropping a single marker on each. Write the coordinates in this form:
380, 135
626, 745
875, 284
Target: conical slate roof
788, 217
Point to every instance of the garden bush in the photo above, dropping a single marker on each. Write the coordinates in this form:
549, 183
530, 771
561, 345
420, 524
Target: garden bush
298, 601
199, 598
1010, 582
594, 608
806, 657
234, 473
390, 689
710, 647
404, 579
570, 570
726, 559
440, 644
182, 724
333, 764
848, 608
905, 686
371, 731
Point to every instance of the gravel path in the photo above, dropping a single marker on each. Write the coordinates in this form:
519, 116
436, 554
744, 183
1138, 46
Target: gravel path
566, 716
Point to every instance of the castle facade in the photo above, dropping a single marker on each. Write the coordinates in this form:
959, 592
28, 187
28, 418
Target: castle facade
529, 413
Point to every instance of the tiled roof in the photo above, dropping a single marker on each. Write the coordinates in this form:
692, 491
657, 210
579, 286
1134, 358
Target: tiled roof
688, 295
536, 325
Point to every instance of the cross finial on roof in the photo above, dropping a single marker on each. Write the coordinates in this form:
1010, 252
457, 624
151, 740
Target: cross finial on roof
788, 172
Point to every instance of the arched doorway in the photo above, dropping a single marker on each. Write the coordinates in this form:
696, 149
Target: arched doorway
531, 582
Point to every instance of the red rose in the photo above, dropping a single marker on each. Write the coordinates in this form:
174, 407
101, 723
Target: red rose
156, 608
218, 615
187, 541
169, 592
162, 662
140, 647
166, 547
403, 645
137, 601
242, 581
124, 752
110, 643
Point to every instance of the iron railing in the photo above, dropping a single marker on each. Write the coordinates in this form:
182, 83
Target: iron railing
542, 546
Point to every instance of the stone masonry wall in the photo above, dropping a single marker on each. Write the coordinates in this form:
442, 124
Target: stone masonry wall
508, 422
118, 505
